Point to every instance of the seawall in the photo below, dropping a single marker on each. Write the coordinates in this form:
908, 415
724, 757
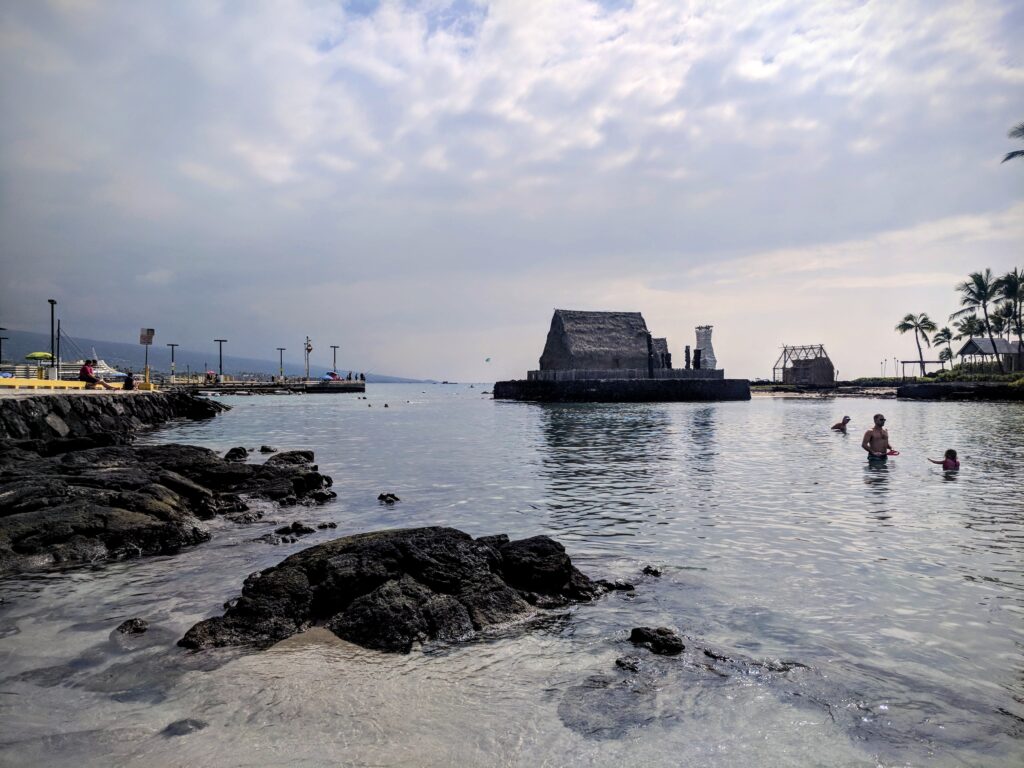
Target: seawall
960, 390
95, 416
623, 390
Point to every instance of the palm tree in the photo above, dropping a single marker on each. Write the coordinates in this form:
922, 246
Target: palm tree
946, 356
921, 325
1011, 288
998, 323
1017, 132
968, 327
945, 336
977, 292
1007, 313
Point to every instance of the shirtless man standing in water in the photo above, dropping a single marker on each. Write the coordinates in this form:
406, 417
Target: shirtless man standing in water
876, 440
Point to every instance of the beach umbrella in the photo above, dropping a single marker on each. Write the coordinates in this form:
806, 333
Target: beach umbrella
39, 356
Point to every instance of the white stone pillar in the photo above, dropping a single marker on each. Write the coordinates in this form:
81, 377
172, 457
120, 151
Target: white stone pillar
707, 352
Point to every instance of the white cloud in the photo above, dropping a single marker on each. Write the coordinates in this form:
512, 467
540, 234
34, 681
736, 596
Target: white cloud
521, 150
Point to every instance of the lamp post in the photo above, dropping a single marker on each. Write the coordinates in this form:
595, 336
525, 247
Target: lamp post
280, 362
220, 357
53, 339
335, 348
172, 346
309, 348
2, 340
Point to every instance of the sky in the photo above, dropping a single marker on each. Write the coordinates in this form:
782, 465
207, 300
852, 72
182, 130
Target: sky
423, 183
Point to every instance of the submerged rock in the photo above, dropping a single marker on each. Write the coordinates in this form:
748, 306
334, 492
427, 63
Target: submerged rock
661, 640
133, 627
183, 727
391, 589
651, 570
125, 501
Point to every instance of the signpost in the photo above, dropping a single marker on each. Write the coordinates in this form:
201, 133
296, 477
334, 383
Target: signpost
146, 339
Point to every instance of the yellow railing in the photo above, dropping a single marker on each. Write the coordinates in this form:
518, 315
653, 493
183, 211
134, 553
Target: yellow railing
17, 383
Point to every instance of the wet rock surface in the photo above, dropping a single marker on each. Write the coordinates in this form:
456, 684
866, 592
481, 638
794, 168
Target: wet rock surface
125, 501
391, 589
55, 423
660, 640
133, 627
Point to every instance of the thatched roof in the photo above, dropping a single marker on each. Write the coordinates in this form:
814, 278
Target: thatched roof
595, 340
983, 346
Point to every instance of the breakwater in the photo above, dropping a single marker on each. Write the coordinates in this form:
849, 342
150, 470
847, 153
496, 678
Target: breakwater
55, 421
623, 390
960, 390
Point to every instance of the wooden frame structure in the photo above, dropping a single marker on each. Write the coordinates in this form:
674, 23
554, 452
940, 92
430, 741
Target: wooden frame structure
807, 365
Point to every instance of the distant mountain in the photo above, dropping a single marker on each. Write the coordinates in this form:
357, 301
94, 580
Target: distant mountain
120, 355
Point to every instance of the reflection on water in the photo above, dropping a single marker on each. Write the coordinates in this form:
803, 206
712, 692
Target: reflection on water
859, 614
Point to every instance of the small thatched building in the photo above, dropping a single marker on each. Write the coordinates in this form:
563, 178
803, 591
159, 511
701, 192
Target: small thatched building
983, 351
597, 341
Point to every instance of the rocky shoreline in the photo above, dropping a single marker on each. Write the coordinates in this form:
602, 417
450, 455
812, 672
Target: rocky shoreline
73, 490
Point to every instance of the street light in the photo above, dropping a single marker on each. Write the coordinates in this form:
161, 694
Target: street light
280, 362
172, 346
335, 348
220, 356
2, 340
53, 339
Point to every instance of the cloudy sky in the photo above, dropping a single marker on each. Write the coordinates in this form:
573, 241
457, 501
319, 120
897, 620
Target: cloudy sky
422, 183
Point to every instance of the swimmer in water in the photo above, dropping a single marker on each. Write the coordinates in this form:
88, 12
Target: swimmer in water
949, 462
841, 425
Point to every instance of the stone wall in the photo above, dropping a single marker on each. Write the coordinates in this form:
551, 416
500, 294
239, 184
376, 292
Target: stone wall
960, 390
623, 390
114, 416
624, 373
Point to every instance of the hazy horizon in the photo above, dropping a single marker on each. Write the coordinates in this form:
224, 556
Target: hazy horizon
423, 183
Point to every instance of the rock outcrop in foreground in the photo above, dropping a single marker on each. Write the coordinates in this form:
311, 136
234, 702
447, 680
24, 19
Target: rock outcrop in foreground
391, 589
125, 501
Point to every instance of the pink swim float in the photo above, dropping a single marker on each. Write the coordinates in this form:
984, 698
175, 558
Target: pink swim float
893, 453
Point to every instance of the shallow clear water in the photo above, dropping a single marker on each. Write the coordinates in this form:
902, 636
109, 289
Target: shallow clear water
899, 588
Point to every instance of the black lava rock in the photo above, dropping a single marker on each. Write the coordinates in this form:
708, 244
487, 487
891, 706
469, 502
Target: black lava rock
629, 663
661, 640
268, 449
391, 589
124, 501
236, 454
650, 570
183, 727
133, 627
616, 586
295, 529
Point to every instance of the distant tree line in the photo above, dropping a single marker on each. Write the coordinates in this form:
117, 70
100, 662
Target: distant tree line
990, 307
1005, 295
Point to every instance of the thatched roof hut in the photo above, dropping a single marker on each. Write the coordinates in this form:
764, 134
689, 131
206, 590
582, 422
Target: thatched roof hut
596, 341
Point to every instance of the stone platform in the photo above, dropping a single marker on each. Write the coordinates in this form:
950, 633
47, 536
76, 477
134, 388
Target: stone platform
623, 390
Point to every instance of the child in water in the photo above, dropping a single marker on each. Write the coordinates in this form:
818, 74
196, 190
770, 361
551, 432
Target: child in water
949, 462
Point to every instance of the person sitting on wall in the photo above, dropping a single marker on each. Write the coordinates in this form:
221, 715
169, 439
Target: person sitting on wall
362, 377
129, 381
88, 375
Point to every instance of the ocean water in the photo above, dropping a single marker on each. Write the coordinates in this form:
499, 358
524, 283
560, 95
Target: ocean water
867, 616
